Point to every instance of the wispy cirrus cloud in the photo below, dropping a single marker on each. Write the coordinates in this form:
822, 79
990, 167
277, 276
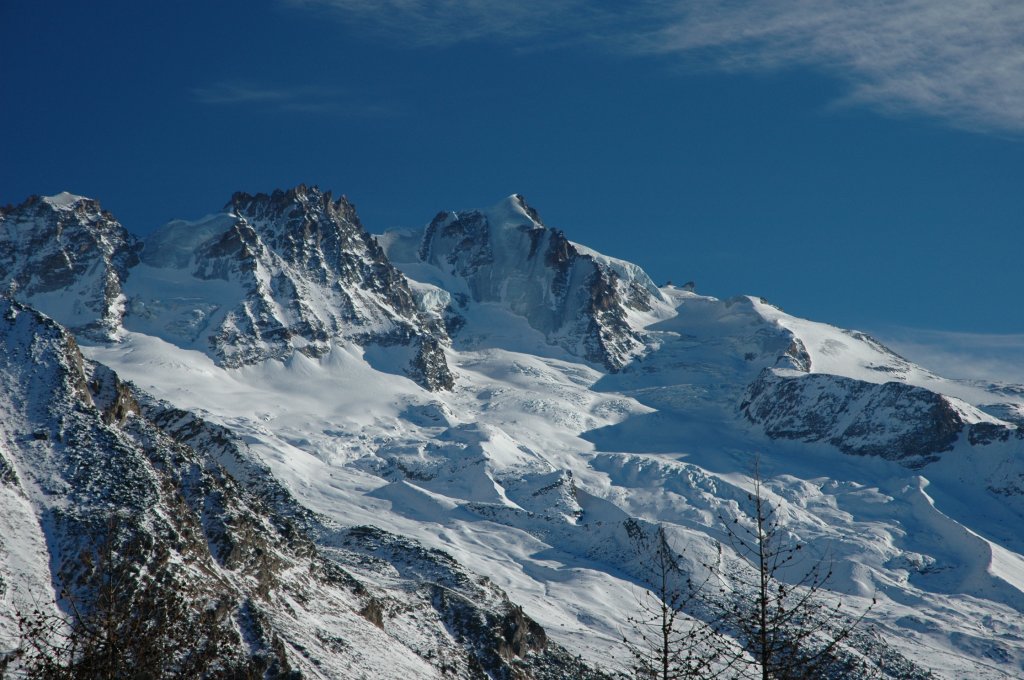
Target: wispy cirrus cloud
296, 98
447, 22
974, 356
961, 61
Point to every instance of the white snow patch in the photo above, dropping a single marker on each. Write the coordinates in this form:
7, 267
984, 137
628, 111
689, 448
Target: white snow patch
64, 200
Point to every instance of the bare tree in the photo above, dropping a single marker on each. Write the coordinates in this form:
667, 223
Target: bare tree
788, 630
759, 621
672, 644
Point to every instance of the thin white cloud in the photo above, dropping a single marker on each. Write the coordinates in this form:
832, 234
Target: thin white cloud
957, 60
299, 98
972, 356
447, 22
962, 61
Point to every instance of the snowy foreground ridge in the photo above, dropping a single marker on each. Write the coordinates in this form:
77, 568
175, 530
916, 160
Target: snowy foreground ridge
427, 453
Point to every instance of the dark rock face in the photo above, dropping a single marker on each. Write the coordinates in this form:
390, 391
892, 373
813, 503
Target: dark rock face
609, 339
892, 420
990, 433
69, 258
796, 356
462, 240
113, 398
308, 274
326, 240
429, 367
578, 301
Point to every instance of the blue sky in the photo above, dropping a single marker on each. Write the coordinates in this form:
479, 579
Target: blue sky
856, 166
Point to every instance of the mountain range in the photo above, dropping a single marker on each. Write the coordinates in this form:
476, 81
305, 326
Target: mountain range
428, 452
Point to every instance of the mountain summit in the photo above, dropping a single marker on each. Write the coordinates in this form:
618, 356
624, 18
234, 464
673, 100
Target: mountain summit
589, 304
67, 257
292, 271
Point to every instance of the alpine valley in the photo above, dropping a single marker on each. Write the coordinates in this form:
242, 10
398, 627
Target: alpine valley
428, 453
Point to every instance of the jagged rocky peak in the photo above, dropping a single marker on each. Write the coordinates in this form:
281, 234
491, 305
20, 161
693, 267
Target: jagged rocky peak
326, 240
68, 257
292, 220
300, 271
580, 299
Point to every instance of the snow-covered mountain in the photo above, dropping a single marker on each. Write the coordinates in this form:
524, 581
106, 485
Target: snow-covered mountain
591, 305
413, 425
67, 257
78, 445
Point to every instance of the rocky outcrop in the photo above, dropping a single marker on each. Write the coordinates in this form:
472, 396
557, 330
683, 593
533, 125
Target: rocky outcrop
296, 271
292, 271
892, 420
69, 258
579, 299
